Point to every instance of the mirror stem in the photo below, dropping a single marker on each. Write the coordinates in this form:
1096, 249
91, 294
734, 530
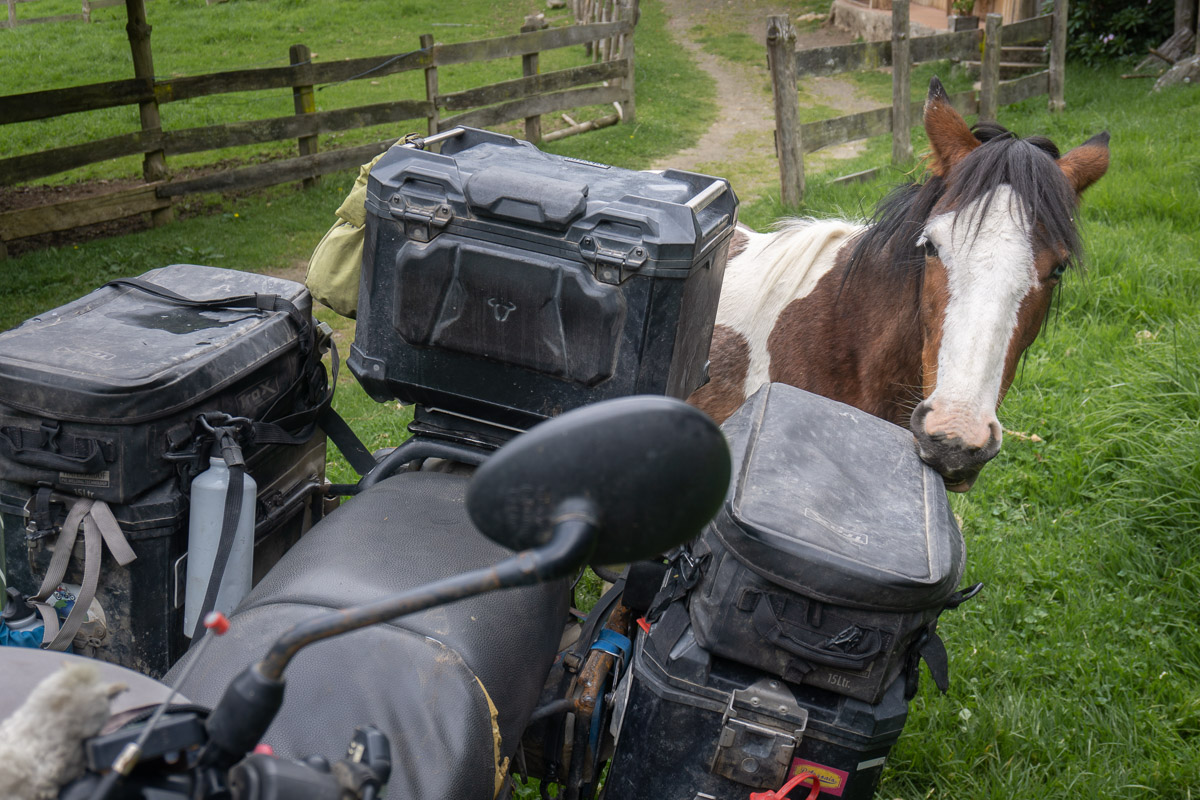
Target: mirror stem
570, 545
238, 721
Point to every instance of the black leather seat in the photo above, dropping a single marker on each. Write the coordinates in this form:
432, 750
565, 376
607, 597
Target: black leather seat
430, 681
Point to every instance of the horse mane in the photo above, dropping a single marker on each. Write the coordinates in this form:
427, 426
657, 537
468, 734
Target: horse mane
1026, 165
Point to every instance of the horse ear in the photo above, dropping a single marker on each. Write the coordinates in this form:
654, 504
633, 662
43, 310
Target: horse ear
948, 133
1087, 163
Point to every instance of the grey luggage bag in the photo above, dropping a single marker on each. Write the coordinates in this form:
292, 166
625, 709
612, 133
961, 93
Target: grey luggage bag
835, 551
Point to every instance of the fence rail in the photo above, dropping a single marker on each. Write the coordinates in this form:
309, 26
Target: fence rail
603, 83
793, 139
85, 15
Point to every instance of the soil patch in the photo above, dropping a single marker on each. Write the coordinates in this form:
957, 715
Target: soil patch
13, 198
740, 143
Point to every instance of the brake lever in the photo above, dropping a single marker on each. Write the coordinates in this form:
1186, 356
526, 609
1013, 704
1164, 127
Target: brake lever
371, 748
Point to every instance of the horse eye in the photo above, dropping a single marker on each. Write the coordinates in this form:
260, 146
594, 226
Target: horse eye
931, 250
1059, 269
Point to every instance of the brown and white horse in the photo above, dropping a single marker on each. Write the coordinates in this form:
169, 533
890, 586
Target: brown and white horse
920, 315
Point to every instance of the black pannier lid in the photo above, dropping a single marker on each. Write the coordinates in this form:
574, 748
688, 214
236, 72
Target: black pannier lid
834, 503
488, 185
124, 356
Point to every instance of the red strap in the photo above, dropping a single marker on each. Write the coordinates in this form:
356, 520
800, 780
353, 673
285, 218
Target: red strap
796, 780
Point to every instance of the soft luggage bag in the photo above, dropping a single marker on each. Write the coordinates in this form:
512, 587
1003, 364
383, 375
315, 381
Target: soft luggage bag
508, 285
694, 725
835, 551
110, 405
102, 397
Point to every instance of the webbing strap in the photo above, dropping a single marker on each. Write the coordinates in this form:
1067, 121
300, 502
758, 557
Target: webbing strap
257, 302
331, 422
229, 526
613, 643
100, 528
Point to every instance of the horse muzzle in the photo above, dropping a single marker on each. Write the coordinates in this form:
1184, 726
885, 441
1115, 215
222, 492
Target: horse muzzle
954, 444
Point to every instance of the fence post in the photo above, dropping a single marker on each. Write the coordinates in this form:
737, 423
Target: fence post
901, 84
1185, 14
529, 68
304, 99
1058, 57
431, 83
781, 60
154, 165
629, 105
87, 10
12, 13
989, 88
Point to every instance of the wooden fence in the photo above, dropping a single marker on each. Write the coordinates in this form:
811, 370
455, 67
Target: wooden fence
526, 98
793, 139
85, 15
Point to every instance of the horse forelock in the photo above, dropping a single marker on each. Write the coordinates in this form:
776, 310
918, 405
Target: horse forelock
1027, 166
1040, 189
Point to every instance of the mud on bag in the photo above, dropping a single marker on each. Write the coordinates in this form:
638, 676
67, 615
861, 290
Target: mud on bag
110, 407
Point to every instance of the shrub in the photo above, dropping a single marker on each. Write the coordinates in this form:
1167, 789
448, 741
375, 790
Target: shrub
1100, 31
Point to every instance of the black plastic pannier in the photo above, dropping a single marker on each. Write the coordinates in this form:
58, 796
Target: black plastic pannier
508, 285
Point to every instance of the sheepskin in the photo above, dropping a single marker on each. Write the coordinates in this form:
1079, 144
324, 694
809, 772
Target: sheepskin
41, 744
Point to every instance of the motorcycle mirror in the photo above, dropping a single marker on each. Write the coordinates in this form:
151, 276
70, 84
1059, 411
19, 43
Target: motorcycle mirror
653, 469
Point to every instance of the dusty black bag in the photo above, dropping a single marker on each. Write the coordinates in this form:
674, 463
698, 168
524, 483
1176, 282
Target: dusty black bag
107, 410
101, 397
834, 553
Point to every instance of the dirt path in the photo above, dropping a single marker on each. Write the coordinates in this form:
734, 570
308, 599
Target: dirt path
740, 143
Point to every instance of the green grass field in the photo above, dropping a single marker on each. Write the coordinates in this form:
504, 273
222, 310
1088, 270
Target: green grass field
1076, 672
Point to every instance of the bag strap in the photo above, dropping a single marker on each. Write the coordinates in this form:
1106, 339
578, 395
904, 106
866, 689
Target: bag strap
49, 448
231, 451
257, 301
323, 414
100, 528
932, 650
685, 572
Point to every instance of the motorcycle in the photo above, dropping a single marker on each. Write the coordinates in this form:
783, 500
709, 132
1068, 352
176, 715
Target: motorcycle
414, 678
500, 287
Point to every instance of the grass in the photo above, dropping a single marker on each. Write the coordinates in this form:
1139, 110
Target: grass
1076, 673
724, 33
192, 38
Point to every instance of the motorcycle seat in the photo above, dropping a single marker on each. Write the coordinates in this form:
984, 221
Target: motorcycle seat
452, 687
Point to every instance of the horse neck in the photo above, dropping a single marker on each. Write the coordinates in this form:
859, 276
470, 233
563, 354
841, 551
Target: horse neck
874, 319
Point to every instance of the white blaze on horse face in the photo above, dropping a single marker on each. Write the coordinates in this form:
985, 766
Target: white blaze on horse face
988, 257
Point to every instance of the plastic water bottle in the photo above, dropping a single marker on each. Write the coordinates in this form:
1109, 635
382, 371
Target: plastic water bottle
205, 518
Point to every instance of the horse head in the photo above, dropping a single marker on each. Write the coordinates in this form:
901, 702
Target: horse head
998, 235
